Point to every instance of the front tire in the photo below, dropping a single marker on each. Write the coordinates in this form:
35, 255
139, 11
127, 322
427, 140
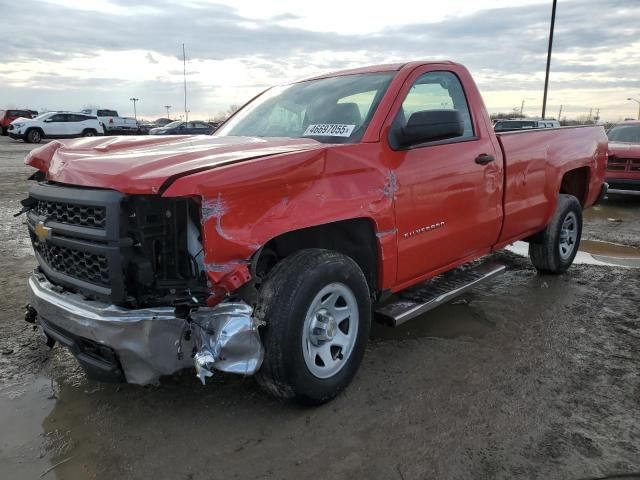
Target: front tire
558, 244
317, 310
33, 136
5, 131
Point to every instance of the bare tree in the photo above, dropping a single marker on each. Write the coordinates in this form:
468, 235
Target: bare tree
233, 108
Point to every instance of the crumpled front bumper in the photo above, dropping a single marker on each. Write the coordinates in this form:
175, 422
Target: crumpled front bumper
138, 346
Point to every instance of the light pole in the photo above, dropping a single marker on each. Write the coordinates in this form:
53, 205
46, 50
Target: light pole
638, 102
135, 113
168, 107
546, 76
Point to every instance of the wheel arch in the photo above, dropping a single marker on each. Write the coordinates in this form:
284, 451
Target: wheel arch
355, 238
575, 182
35, 127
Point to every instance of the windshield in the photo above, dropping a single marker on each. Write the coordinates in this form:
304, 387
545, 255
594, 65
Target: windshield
175, 124
625, 133
331, 110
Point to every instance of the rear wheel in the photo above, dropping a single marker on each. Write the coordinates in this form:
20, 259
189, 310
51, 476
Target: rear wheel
4, 131
33, 136
317, 311
558, 244
89, 133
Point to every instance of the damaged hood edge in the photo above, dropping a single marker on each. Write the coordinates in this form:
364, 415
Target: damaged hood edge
143, 165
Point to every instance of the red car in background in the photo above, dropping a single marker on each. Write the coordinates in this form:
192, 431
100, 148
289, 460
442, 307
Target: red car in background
8, 116
623, 166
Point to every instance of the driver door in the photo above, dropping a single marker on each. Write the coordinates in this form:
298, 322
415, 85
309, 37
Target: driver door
449, 202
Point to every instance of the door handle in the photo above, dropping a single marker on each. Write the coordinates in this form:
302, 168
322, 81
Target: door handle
483, 159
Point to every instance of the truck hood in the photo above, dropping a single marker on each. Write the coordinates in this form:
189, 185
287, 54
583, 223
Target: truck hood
624, 150
149, 164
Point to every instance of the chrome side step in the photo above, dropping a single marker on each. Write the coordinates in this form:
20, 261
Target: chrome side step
423, 297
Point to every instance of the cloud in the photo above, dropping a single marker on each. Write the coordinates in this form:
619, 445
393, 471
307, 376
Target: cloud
595, 43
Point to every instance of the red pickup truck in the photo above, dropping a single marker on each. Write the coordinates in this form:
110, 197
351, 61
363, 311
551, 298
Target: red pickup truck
623, 165
268, 247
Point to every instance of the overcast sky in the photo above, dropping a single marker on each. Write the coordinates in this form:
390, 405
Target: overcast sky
67, 54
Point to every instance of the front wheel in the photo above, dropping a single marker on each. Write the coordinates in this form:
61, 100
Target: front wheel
557, 246
5, 132
33, 136
317, 310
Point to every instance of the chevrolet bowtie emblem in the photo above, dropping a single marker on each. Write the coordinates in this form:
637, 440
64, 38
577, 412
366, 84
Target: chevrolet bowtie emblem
43, 233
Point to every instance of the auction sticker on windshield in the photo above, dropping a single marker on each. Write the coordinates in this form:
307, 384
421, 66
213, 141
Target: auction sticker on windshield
329, 130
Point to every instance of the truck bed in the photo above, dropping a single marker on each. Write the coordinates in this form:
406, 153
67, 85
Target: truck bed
535, 162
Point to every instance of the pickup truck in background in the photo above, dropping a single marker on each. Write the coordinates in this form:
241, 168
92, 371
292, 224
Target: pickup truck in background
269, 247
623, 165
111, 122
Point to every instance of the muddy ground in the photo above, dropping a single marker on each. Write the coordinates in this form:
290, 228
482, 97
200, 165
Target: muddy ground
526, 377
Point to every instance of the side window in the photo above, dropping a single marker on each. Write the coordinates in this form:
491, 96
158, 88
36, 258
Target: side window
58, 117
436, 91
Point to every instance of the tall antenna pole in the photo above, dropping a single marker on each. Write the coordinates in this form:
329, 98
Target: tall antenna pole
168, 107
546, 77
184, 74
560, 113
135, 113
522, 108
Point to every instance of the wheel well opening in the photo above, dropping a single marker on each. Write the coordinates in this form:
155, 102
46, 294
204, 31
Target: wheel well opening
576, 182
354, 238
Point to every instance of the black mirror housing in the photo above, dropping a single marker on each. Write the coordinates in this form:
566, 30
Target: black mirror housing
430, 126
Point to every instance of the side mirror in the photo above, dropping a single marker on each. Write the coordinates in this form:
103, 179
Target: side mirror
430, 126
48, 120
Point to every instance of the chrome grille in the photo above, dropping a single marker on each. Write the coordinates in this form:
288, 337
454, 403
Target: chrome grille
623, 164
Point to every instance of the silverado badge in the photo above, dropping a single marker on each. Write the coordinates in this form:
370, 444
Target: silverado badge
43, 233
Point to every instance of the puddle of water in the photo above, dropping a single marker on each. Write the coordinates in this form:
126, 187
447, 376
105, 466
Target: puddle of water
452, 320
606, 249
46, 432
23, 408
610, 255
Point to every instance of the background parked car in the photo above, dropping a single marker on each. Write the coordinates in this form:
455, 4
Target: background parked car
55, 125
524, 124
112, 122
215, 125
145, 127
623, 165
161, 122
183, 128
8, 116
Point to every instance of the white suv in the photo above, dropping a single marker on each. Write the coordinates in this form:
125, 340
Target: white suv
54, 125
